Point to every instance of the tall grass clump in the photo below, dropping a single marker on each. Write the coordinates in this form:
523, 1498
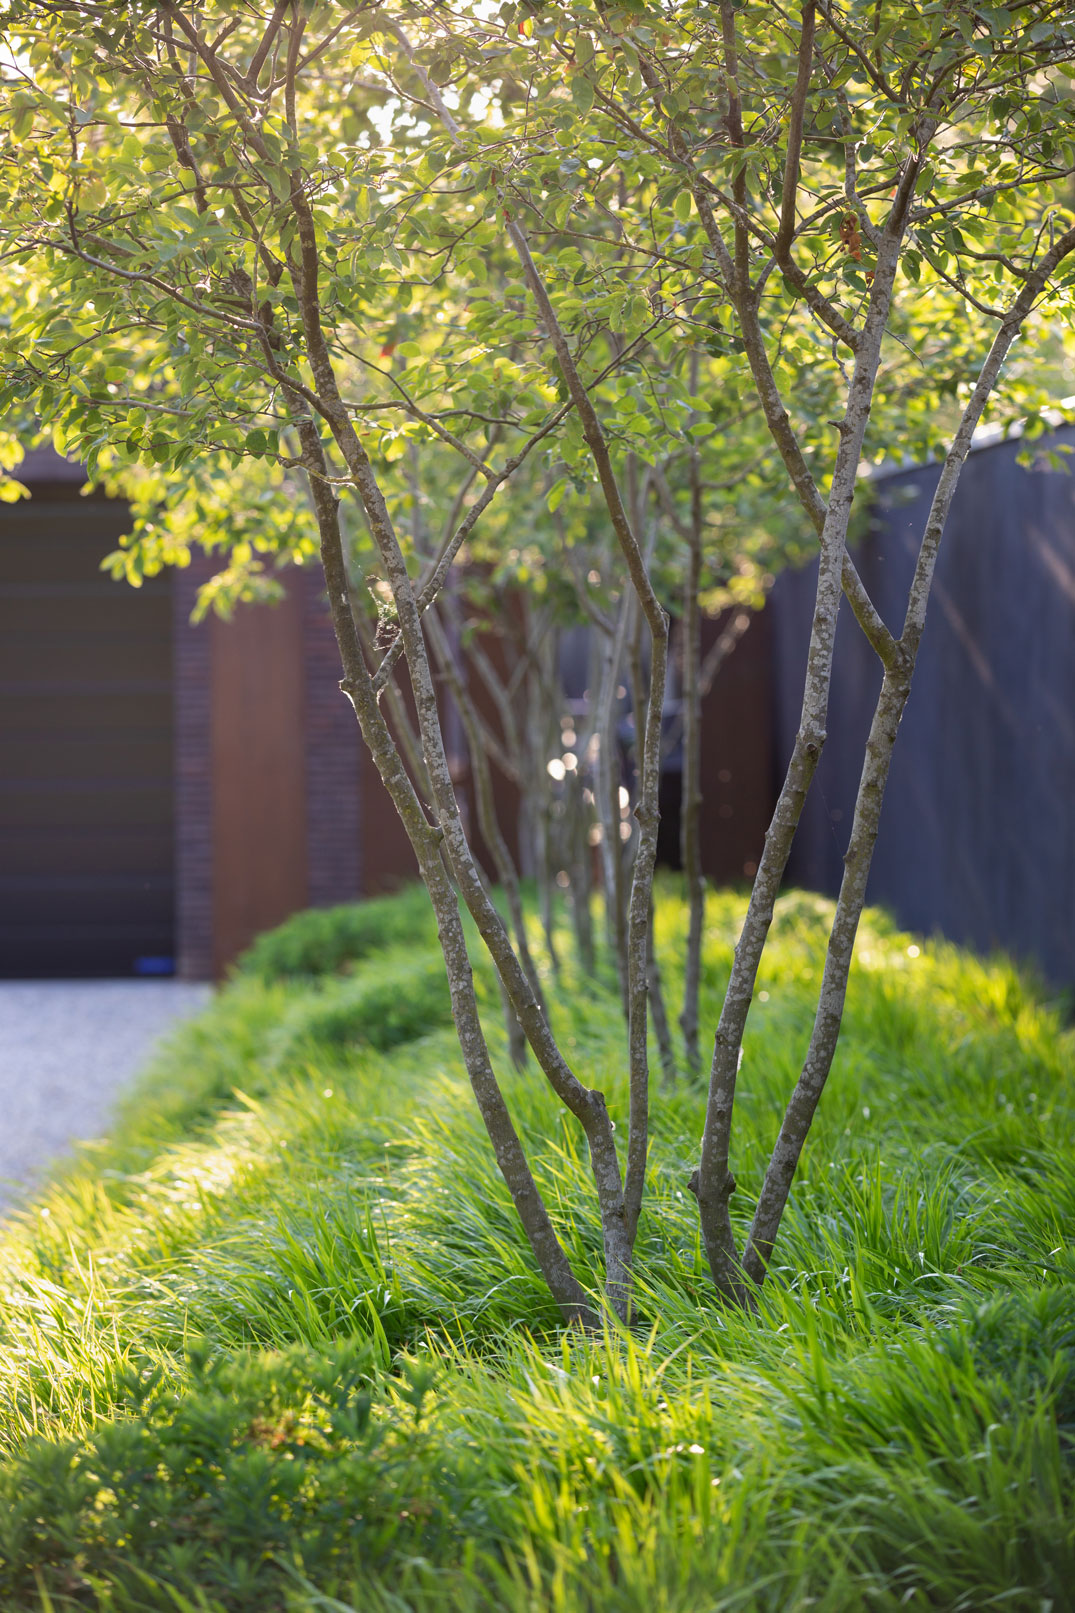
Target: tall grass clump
279, 1343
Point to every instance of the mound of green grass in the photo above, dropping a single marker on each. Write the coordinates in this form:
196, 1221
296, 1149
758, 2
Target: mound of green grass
280, 1344
328, 940
383, 1006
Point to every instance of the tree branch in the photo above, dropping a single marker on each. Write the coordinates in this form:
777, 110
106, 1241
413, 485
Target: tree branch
793, 149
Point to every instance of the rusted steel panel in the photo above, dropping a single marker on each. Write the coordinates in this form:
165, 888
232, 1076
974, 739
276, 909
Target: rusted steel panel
259, 773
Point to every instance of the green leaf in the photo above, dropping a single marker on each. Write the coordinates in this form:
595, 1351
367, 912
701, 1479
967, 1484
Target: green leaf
278, 179
555, 496
582, 92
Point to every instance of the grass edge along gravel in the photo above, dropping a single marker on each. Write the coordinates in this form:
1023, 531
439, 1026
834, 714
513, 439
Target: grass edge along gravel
278, 1343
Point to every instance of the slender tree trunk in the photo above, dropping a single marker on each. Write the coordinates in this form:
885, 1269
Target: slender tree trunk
540, 740
581, 874
640, 697
490, 828
691, 803
507, 750
585, 818
488, 822
607, 796
646, 993
658, 1009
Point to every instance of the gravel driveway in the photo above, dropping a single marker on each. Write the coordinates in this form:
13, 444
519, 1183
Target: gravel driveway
67, 1048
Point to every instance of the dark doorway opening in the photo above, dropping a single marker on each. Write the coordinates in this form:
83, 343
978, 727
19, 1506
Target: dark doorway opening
86, 785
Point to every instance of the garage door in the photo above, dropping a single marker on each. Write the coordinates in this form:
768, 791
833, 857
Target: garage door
86, 859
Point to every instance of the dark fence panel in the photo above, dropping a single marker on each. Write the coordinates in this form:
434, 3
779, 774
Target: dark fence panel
978, 830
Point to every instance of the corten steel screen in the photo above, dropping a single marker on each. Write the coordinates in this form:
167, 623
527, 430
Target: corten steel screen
86, 810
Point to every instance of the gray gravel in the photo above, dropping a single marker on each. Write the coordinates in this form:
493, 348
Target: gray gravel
67, 1048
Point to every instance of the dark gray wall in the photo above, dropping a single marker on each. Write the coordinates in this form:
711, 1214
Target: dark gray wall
978, 830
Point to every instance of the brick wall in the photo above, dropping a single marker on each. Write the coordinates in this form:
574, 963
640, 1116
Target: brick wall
332, 741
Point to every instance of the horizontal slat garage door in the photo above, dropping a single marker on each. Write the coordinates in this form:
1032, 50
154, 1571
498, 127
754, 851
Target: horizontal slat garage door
86, 881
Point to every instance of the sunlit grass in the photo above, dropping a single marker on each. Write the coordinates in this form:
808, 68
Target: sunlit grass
895, 1428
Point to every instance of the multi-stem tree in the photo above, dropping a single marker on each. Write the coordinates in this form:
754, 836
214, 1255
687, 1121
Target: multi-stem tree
220, 220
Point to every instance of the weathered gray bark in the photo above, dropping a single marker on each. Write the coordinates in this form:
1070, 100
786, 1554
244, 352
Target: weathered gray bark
644, 967
804, 1100
587, 1105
